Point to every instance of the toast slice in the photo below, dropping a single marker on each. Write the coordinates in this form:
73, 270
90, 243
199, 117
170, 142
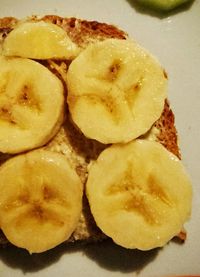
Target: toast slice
69, 141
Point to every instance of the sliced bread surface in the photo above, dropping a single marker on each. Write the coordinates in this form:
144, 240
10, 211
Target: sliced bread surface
69, 141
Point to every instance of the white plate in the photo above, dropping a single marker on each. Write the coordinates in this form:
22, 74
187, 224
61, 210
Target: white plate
175, 40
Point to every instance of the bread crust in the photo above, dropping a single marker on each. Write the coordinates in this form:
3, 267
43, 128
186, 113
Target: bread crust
69, 141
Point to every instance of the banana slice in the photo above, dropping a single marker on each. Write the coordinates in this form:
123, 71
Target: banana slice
40, 200
145, 198
39, 40
31, 104
116, 91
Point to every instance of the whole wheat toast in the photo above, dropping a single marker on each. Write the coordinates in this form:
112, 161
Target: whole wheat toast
69, 141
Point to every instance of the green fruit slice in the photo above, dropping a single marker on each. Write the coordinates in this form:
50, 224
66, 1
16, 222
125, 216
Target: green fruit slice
162, 5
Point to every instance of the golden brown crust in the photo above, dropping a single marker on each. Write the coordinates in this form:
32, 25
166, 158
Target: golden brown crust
168, 134
83, 32
6, 25
8, 22
69, 141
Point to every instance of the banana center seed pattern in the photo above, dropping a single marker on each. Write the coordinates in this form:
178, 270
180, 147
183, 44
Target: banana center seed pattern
136, 196
113, 71
38, 208
25, 97
6, 114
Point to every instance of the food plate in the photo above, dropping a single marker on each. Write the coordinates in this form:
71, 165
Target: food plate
175, 40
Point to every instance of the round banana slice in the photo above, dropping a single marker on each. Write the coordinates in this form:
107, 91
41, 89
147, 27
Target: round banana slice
144, 198
39, 40
40, 200
116, 91
31, 104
